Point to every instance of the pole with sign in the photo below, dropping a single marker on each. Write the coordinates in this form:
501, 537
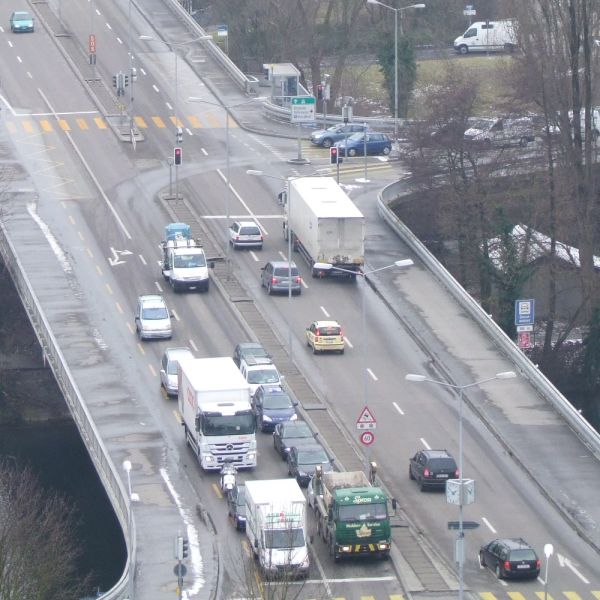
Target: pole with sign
303, 110
524, 322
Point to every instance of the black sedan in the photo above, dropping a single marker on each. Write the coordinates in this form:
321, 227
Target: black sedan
510, 558
302, 461
291, 433
236, 506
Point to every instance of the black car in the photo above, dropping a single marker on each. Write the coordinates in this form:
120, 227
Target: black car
291, 433
273, 405
245, 349
302, 461
510, 558
236, 506
432, 468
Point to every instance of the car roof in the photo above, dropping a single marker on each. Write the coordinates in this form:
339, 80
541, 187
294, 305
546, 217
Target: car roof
281, 263
257, 361
514, 543
249, 345
272, 389
152, 299
312, 448
22, 13
327, 324
247, 223
174, 353
437, 453
291, 425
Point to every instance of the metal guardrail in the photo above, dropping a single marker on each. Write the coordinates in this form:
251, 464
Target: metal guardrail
98, 452
586, 433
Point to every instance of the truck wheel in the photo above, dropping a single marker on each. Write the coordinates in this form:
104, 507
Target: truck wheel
174, 286
463, 49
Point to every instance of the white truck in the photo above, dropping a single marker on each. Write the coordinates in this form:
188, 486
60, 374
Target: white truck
276, 527
326, 226
214, 402
184, 263
488, 36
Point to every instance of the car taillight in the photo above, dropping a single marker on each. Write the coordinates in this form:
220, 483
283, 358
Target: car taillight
274, 281
426, 473
538, 564
507, 565
318, 332
298, 280
456, 474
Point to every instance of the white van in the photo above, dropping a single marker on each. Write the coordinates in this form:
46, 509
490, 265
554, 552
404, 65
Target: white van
488, 36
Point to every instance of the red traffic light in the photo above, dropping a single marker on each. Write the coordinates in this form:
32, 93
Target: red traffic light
177, 156
334, 155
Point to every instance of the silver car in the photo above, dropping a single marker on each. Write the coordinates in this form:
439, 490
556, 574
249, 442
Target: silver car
152, 318
274, 277
168, 368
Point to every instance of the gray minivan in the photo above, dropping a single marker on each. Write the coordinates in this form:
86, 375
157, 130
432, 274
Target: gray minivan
274, 277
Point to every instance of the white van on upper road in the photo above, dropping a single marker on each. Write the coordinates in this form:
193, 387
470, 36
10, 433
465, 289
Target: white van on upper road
488, 36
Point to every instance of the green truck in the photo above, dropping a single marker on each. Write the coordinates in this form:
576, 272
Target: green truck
351, 513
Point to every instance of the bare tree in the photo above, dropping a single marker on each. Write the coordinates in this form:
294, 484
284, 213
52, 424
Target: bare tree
38, 551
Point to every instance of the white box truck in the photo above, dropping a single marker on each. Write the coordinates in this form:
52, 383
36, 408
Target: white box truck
488, 36
276, 527
214, 402
326, 226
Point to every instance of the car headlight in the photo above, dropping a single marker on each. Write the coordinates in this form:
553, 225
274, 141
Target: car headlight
305, 563
383, 546
293, 417
302, 473
267, 418
251, 455
209, 458
346, 549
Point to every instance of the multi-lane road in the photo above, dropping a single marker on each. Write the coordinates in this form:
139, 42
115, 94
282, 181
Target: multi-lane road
96, 201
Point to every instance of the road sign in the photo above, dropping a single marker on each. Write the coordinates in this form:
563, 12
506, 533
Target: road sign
524, 312
92, 43
366, 420
367, 438
180, 570
303, 109
524, 340
466, 525
524, 327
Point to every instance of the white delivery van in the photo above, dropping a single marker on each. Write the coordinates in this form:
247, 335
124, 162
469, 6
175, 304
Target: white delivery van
488, 36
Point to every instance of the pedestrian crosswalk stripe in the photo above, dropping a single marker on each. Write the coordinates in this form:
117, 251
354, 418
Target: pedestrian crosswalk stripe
64, 125
544, 596
396, 597
139, 121
177, 122
82, 124
596, 594
572, 595
487, 596
46, 126
28, 126
195, 122
516, 596
158, 122
232, 122
212, 120
367, 598
100, 122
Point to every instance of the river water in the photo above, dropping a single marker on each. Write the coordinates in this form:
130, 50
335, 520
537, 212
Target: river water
55, 453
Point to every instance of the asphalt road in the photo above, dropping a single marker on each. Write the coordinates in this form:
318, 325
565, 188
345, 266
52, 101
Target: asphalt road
98, 198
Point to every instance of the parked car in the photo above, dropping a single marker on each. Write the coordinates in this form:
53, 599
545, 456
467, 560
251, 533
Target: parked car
272, 405
502, 132
432, 468
275, 277
168, 368
325, 336
377, 143
21, 22
291, 433
245, 234
244, 349
236, 506
152, 318
302, 461
335, 133
510, 558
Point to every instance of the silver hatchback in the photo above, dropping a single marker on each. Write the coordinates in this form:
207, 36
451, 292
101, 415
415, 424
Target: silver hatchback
275, 277
168, 368
152, 318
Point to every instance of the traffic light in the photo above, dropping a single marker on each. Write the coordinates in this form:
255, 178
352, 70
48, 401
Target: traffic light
126, 80
320, 92
185, 548
114, 81
177, 156
179, 135
335, 157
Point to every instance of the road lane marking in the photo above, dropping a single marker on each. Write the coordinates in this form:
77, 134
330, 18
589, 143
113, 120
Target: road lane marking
64, 125
140, 348
215, 487
424, 442
152, 370
155, 88
253, 255
142, 259
131, 329
515, 596
373, 376
99, 270
109, 289
398, 408
100, 123
81, 236
175, 315
46, 126
195, 348
119, 307
348, 342
71, 220
177, 415
159, 122
108, 26
325, 312
119, 40
543, 595
488, 525
158, 286
82, 124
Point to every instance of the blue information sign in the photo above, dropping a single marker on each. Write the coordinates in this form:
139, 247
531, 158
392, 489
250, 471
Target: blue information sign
524, 312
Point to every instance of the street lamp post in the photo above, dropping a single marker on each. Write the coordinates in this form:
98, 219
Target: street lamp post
397, 11
460, 388
548, 551
127, 468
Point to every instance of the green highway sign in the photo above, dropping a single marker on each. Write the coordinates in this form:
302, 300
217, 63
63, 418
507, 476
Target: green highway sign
303, 109
466, 525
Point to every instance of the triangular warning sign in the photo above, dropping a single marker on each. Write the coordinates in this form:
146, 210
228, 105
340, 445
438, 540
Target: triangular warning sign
366, 416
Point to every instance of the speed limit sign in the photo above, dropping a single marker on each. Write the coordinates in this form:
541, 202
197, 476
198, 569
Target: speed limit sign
367, 438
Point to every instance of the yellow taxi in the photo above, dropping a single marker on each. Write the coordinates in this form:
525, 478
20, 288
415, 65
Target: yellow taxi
325, 336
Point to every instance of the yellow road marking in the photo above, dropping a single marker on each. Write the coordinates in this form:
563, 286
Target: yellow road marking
572, 595
487, 596
28, 126
543, 596
232, 123
64, 125
396, 597
140, 348
596, 594
119, 307
217, 490
82, 124
195, 122
177, 122
90, 253
158, 122
100, 122
213, 121
367, 598
99, 269
178, 416
80, 236
140, 122
516, 595
109, 289
46, 126
152, 370
131, 329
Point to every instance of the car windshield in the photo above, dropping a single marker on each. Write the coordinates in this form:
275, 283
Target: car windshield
283, 271
189, 261
363, 512
328, 331
284, 538
172, 366
228, 425
155, 313
263, 376
277, 401
525, 554
249, 231
301, 430
241, 496
356, 137
442, 463
312, 457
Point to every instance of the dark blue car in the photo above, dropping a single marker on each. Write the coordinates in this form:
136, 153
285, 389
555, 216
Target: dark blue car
272, 405
377, 143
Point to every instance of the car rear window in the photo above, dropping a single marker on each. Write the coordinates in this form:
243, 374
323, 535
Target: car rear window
525, 554
250, 231
442, 463
328, 331
283, 271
